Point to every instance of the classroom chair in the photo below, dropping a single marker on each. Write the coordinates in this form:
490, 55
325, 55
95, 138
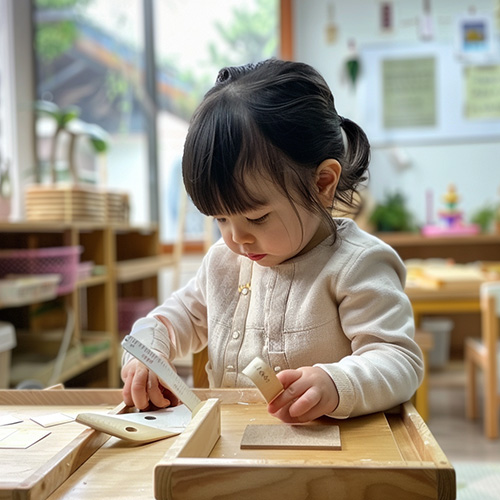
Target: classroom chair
483, 354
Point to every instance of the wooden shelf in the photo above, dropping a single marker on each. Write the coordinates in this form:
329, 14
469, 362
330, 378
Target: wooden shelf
136, 269
128, 260
91, 281
33, 366
461, 249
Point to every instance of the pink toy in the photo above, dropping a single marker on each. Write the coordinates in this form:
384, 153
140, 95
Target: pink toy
451, 218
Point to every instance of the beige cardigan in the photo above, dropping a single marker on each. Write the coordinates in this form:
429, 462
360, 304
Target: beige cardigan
341, 307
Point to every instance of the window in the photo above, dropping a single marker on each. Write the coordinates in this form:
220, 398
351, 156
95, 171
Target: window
93, 54
193, 40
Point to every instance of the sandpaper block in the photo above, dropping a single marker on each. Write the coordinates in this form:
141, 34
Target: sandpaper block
301, 436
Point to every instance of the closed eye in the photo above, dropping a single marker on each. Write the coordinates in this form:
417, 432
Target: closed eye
259, 220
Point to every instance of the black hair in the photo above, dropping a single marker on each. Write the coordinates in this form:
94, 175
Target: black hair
276, 119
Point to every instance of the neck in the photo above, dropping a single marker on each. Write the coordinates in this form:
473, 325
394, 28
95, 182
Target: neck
321, 233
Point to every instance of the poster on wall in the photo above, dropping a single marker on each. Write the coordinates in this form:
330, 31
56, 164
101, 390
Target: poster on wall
475, 41
409, 92
482, 92
424, 93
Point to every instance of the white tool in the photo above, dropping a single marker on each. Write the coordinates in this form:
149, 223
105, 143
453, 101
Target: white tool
140, 427
163, 370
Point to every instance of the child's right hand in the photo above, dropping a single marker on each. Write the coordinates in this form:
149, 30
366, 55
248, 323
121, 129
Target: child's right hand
142, 388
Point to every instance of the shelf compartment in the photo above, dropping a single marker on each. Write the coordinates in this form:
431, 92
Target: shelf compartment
21, 290
34, 358
135, 269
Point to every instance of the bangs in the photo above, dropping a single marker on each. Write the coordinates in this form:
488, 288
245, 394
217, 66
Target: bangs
223, 149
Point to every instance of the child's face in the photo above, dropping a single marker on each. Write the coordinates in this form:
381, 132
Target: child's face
272, 233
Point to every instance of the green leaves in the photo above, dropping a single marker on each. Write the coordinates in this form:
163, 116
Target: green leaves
392, 215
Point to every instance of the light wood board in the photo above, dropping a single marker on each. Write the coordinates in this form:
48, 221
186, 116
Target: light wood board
291, 437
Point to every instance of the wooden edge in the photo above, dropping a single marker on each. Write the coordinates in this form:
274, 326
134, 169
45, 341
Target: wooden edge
197, 440
188, 479
200, 435
56, 387
245, 396
47, 478
84, 397
429, 450
422, 437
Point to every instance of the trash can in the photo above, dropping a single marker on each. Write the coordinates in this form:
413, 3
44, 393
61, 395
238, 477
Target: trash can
7, 343
440, 328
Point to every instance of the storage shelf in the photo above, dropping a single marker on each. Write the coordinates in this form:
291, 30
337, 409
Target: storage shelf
92, 281
37, 367
128, 260
135, 269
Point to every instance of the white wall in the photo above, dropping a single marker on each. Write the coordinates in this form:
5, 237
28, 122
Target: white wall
17, 95
473, 167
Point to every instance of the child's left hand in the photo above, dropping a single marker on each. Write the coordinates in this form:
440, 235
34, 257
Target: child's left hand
309, 393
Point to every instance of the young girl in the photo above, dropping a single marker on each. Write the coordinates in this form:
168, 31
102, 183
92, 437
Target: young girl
321, 301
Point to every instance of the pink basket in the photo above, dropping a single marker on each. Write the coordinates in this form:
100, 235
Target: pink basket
131, 309
56, 260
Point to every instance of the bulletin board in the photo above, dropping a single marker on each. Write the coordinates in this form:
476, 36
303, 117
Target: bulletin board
427, 93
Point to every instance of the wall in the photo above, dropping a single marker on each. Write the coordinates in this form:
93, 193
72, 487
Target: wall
472, 166
18, 94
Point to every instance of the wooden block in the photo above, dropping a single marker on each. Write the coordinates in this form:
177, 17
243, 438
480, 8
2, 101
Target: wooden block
309, 437
264, 378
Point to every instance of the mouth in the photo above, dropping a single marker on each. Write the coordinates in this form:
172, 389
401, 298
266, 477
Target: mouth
256, 256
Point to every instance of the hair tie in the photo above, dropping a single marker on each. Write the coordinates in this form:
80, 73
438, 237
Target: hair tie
231, 73
341, 121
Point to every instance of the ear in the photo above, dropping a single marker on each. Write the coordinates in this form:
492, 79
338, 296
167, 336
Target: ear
327, 178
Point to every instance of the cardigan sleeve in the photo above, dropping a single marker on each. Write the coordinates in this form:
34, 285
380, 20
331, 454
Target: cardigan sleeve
386, 365
179, 325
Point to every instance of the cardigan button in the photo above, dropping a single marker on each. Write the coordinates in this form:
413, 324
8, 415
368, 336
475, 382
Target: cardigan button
277, 369
236, 334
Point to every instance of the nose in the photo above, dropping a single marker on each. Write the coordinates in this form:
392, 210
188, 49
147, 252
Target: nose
240, 235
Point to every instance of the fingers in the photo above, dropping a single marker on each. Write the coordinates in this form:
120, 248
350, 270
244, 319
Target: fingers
142, 388
157, 392
309, 393
309, 399
139, 387
294, 388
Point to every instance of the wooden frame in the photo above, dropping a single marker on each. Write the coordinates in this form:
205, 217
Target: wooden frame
482, 353
198, 466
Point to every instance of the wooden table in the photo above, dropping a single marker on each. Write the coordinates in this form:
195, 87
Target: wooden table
384, 455
428, 301
464, 299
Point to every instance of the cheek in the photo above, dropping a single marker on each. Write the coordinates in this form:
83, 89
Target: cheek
226, 236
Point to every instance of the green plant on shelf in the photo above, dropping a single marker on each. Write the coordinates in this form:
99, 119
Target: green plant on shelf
392, 214
485, 217
67, 121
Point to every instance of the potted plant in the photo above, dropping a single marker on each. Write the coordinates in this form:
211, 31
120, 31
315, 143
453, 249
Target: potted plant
485, 218
67, 121
392, 214
78, 201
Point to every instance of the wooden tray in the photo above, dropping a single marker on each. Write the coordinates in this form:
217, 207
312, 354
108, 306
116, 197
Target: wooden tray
390, 455
35, 472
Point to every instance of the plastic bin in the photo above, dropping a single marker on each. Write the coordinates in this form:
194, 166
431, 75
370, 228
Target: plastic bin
7, 343
54, 260
18, 290
440, 328
131, 309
